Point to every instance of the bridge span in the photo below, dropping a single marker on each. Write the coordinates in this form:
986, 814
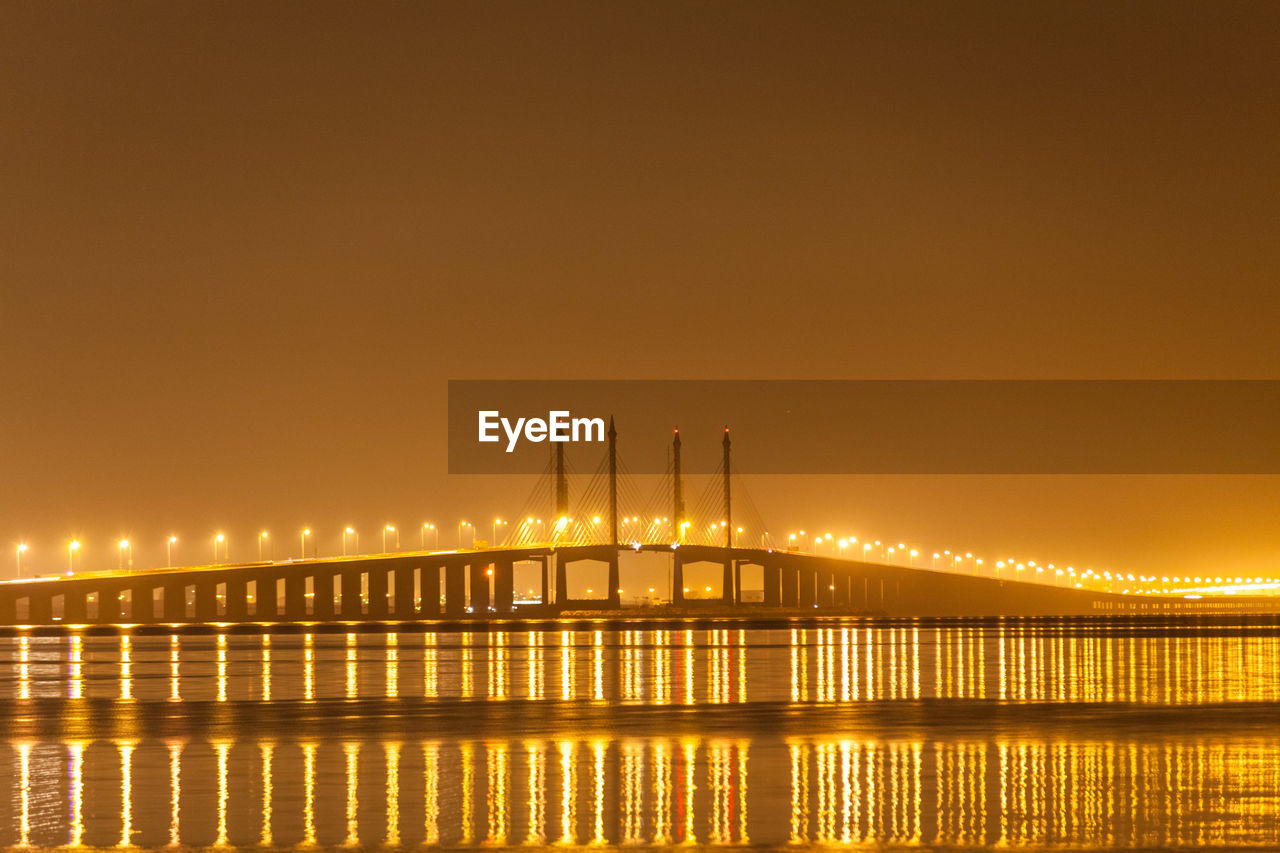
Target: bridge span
480, 584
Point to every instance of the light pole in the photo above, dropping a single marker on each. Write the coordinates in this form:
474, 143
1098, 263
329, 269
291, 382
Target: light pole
262, 537
218, 540
390, 528
21, 549
168, 551
302, 542
350, 531
72, 547
462, 524
124, 546
422, 535
497, 522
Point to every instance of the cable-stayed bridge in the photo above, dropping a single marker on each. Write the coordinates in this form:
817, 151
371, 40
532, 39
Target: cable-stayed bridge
607, 525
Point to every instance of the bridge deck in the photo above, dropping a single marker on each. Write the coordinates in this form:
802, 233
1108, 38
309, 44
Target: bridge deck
478, 584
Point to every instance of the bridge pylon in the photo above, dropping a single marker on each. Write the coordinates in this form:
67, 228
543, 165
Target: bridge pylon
677, 488
561, 486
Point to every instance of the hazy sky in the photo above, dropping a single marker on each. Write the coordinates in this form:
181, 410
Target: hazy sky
243, 246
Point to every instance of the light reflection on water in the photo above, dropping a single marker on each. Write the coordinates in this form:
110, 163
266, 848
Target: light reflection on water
849, 733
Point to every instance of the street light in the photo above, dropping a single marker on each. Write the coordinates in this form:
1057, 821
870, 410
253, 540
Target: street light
302, 542
262, 537
168, 550
462, 524
124, 546
497, 522
390, 528
422, 535
22, 549
218, 540
72, 547
350, 531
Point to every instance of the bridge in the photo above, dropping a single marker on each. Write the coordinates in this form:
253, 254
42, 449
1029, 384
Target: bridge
479, 583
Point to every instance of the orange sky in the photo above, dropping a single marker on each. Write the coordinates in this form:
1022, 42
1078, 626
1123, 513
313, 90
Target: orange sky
242, 249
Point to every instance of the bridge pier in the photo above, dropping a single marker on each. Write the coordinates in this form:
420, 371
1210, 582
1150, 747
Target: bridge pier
237, 599
73, 612
677, 579
827, 589
807, 580
175, 604
40, 608
322, 601
295, 598
772, 577
429, 590
109, 609
377, 604
503, 584
546, 589
352, 584
562, 582
206, 600
455, 588
264, 585
406, 606
480, 592
790, 586
729, 582
143, 595
615, 581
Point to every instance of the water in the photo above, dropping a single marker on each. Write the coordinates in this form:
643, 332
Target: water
855, 732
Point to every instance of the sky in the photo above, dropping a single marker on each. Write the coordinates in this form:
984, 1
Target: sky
244, 247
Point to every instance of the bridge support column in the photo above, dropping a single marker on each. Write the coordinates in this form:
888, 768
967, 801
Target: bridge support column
377, 608
844, 591
562, 582
175, 601
206, 600
546, 580
807, 580
406, 607
772, 576
73, 612
143, 608
615, 582
727, 583
40, 608
677, 579
455, 589
110, 607
790, 586
264, 584
503, 585
429, 590
480, 593
352, 594
827, 589
322, 595
295, 598
237, 601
